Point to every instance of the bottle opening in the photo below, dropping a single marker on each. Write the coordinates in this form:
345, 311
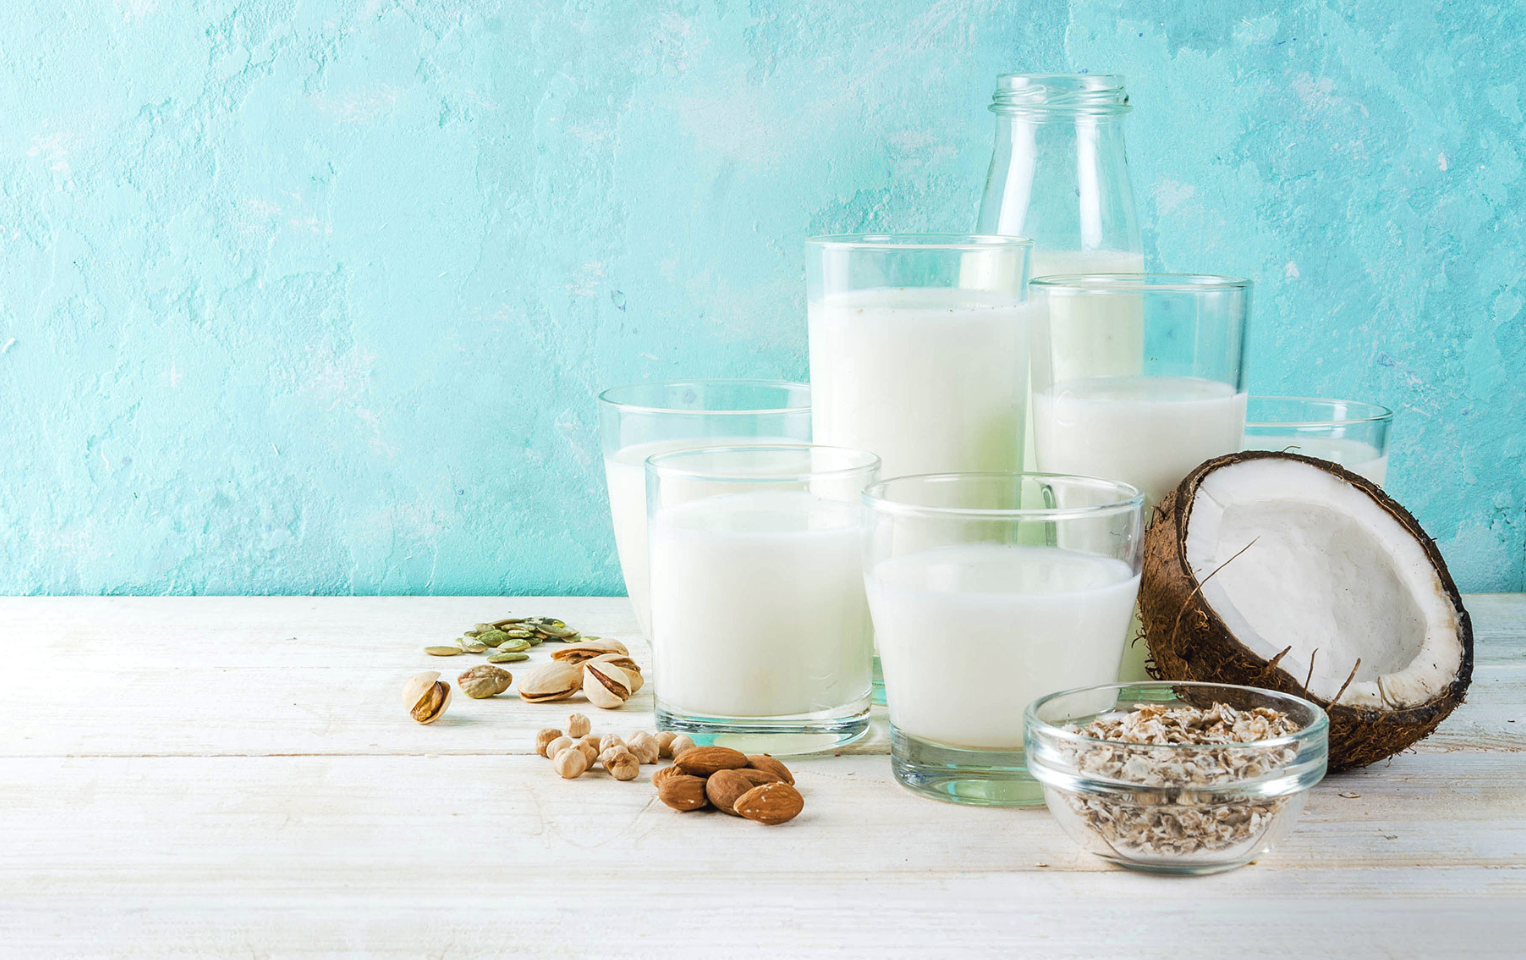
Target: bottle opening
1088, 93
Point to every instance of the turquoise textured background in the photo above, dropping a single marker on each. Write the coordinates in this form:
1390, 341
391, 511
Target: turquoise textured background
316, 296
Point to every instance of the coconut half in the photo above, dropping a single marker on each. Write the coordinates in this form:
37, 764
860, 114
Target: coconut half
1290, 573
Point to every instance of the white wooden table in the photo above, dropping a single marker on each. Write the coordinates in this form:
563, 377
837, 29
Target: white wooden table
237, 777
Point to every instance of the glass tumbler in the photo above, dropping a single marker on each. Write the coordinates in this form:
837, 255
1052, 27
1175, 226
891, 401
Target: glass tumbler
989, 590
918, 348
760, 631
1138, 377
642, 419
1348, 432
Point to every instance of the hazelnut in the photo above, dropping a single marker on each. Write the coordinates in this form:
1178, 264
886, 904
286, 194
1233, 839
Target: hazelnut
578, 725
557, 746
570, 764
665, 743
589, 750
598, 744
680, 744
643, 746
543, 740
624, 766
610, 741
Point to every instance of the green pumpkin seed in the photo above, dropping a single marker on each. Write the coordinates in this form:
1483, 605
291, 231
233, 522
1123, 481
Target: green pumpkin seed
443, 651
504, 656
492, 638
514, 645
473, 645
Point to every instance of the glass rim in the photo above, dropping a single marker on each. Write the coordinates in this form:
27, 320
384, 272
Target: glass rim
1319, 726
1140, 282
788, 387
1381, 414
918, 241
1073, 94
874, 498
656, 464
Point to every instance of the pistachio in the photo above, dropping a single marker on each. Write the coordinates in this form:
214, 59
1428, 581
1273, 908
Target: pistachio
550, 681
665, 743
643, 745
483, 681
444, 651
605, 686
430, 696
570, 764
588, 649
544, 738
510, 657
417, 685
578, 725
624, 662
558, 745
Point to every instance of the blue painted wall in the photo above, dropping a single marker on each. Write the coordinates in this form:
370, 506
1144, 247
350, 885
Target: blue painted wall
315, 296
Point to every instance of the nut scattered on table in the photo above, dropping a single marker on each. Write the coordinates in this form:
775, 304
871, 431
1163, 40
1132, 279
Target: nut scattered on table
443, 651
578, 725
679, 744
544, 739
763, 791
426, 696
771, 803
643, 745
483, 681
605, 686
558, 745
550, 681
570, 764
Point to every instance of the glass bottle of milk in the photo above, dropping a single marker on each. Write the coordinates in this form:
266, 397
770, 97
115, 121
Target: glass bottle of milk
1059, 175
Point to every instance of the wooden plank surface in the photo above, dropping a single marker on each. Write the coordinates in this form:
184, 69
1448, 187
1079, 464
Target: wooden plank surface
235, 777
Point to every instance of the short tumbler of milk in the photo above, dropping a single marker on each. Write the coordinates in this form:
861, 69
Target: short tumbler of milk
760, 630
989, 590
642, 419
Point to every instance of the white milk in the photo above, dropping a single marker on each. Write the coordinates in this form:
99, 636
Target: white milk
758, 605
1148, 431
625, 473
1097, 336
930, 379
969, 635
1354, 455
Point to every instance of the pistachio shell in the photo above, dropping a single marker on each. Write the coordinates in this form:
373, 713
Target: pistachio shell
417, 685
550, 681
605, 686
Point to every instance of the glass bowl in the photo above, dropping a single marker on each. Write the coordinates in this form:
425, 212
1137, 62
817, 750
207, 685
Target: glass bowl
1174, 807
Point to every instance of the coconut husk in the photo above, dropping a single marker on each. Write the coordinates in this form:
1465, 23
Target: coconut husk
1188, 640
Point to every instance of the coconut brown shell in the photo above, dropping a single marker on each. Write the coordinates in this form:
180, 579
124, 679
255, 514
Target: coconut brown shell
1188, 640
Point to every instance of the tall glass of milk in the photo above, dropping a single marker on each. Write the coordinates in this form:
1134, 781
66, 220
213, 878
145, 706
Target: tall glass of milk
1348, 432
760, 630
642, 419
986, 589
1138, 377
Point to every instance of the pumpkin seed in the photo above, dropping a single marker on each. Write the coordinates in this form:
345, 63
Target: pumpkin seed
507, 656
443, 651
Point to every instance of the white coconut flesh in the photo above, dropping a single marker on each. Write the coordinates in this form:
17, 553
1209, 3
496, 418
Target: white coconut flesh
1329, 573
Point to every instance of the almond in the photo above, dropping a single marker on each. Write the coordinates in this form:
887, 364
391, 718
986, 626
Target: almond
682, 792
762, 761
770, 803
724, 786
703, 761
665, 773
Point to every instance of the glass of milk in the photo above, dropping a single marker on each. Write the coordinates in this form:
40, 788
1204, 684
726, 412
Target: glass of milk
642, 419
1348, 432
1138, 377
760, 630
987, 589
